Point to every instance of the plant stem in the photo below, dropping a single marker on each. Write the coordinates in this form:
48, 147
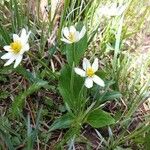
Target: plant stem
74, 55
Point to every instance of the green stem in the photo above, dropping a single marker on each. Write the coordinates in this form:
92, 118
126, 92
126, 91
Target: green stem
73, 98
74, 55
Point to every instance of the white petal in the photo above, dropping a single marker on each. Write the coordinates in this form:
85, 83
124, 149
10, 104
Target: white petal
82, 32
16, 37
77, 36
80, 72
24, 36
72, 29
18, 60
25, 48
86, 64
23, 33
66, 41
95, 65
7, 56
113, 6
121, 9
10, 61
88, 82
65, 32
7, 48
98, 80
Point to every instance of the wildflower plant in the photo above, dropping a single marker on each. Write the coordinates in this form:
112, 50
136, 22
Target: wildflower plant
76, 93
72, 87
78, 73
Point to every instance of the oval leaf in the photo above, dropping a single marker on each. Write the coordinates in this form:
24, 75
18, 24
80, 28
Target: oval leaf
61, 123
99, 118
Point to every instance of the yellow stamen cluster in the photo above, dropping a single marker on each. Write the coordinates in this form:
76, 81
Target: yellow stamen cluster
16, 46
90, 72
71, 36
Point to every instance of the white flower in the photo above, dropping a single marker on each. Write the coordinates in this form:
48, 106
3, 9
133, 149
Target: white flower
112, 10
89, 72
16, 48
71, 35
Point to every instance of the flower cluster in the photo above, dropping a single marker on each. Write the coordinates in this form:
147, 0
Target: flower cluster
70, 35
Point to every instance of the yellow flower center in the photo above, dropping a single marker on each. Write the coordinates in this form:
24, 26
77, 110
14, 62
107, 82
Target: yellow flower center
71, 36
90, 72
16, 46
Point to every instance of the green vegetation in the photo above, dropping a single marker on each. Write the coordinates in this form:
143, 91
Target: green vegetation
74, 74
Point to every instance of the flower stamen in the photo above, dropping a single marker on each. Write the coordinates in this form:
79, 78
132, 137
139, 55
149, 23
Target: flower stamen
71, 36
90, 72
16, 46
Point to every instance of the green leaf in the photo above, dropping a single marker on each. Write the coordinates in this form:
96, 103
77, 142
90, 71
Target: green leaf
5, 36
70, 86
63, 122
26, 74
32, 133
17, 14
110, 96
52, 50
99, 118
106, 95
6, 70
20, 99
70, 49
71, 133
80, 48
